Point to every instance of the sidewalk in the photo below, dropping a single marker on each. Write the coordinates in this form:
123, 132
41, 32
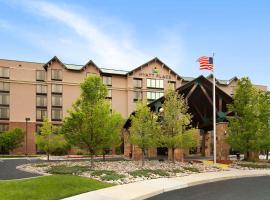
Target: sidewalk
148, 188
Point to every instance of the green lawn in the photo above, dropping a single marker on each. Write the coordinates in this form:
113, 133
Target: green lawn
48, 187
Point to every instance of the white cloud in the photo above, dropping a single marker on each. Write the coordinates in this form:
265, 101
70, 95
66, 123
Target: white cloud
110, 51
108, 46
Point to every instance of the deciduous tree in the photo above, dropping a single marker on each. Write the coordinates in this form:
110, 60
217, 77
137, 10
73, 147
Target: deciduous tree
90, 124
48, 140
176, 130
145, 129
11, 139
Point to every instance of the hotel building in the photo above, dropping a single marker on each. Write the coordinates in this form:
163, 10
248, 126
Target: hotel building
30, 91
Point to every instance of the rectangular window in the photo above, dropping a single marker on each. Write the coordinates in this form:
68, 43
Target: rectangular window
137, 83
137, 95
56, 114
4, 98
172, 83
40, 75
109, 95
154, 95
41, 89
4, 127
4, 87
42, 101
107, 80
154, 83
41, 114
57, 100
4, 72
56, 88
57, 74
4, 113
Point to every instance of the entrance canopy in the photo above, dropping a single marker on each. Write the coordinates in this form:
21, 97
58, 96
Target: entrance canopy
199, 95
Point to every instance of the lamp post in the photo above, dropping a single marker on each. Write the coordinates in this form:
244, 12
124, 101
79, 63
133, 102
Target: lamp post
26, 131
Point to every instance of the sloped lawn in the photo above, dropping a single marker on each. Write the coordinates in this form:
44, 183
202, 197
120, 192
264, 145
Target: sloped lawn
48, 187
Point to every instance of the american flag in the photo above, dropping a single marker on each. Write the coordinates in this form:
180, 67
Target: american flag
206, 63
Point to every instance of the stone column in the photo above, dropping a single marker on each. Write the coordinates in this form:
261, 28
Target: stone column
152, 153
207, 151
223, 149
178, 154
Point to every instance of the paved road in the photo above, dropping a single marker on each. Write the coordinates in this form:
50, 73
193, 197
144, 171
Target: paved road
256, 188
8, 168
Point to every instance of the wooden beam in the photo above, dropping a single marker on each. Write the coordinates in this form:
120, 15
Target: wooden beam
220, 104
206, 94
198, 111
191, 91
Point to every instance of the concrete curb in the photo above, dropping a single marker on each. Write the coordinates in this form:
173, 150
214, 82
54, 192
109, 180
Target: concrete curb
146, 189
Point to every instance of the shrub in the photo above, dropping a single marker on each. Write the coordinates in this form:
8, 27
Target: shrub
177, 171
11, 139
62, 169
254, 165
148, 172
191, 169
107, 175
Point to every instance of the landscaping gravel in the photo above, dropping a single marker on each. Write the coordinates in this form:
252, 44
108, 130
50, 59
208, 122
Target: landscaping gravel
122, 172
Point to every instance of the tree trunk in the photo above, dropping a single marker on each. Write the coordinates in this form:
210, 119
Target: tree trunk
48, 156
142, 157
92, 158
182, 156
267, 152
247, 156
173, 155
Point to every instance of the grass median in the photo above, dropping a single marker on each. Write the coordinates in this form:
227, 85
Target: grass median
48, 187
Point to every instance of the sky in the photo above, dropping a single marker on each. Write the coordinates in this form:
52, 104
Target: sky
123, 34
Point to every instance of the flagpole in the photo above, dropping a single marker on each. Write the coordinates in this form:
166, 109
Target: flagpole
214, 114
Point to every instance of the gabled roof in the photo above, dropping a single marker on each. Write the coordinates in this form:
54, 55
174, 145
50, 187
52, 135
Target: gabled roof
156, 59
74, 67
224, 82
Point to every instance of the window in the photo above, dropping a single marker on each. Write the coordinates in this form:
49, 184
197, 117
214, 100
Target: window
4, 99
137, 83
40, 75
4, 127
4, 72
154, 95
56, 100
4, 113
41, 89
56, 114
41, 114
4, 87
107, 80
154, 83
173, 84
57, 74
42, 101
56, 88
137, 95
109, 95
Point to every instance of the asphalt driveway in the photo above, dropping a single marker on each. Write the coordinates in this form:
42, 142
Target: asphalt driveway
8, 168
255, 188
